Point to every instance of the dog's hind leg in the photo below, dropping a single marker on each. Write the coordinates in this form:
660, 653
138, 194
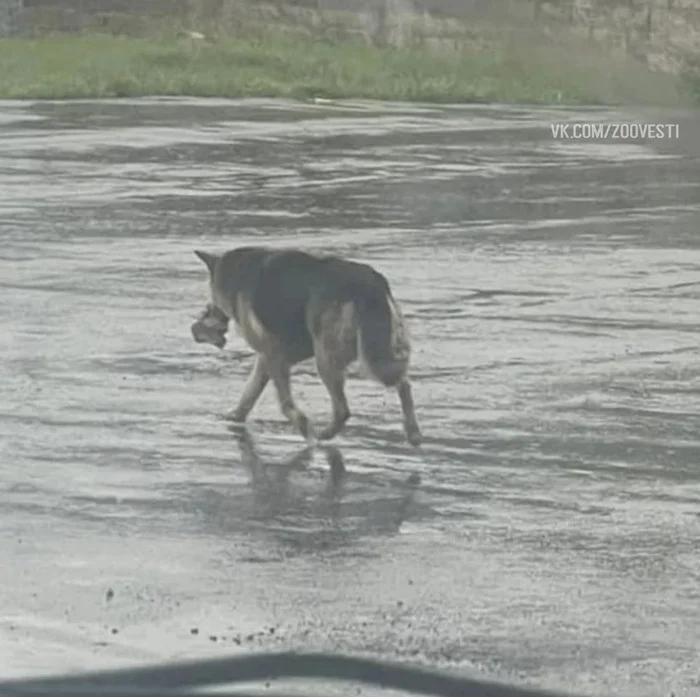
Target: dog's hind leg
259, 377
279, 370
335, 347
410, 423
385, 348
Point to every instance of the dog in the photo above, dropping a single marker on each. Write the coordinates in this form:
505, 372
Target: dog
290, 306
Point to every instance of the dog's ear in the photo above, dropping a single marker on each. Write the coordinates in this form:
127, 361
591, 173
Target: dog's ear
209, 259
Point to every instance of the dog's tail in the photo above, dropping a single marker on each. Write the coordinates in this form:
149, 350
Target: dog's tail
383, 343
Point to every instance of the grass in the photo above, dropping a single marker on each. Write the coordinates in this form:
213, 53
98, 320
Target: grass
274, 65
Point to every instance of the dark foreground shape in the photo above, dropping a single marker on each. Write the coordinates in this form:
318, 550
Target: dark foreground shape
290, 306
174, 679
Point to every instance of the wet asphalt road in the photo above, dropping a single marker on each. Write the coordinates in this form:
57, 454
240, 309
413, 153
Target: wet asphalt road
553, 291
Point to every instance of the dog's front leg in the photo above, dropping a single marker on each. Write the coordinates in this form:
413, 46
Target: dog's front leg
279, 370
257, 381
410, 423
334, 380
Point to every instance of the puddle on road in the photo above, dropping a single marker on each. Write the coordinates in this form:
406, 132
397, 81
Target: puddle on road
552, 290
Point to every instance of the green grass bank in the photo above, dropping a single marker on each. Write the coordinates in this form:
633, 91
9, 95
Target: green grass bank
278, 65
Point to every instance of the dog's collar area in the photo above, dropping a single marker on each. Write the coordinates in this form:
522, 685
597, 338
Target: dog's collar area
212, 310
219, 314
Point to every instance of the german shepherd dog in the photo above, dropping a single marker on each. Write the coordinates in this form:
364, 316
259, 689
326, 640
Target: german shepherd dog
290, 306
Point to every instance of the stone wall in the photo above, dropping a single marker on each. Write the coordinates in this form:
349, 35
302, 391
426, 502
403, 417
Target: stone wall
663, 34
10, 17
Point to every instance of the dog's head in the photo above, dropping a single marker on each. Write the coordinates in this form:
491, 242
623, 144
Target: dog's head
211, 327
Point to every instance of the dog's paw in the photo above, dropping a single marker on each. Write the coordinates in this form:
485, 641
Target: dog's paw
306, 428
334, 427
235, 416
328, 433
414, 436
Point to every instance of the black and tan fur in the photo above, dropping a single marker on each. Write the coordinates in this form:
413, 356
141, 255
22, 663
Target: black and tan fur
290, 306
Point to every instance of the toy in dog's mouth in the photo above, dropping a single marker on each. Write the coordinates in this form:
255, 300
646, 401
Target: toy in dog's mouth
211, 327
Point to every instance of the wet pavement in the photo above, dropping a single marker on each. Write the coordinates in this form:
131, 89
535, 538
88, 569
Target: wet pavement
553, 290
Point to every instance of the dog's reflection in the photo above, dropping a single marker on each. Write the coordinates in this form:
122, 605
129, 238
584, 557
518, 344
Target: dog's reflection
275, 494
271, 480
